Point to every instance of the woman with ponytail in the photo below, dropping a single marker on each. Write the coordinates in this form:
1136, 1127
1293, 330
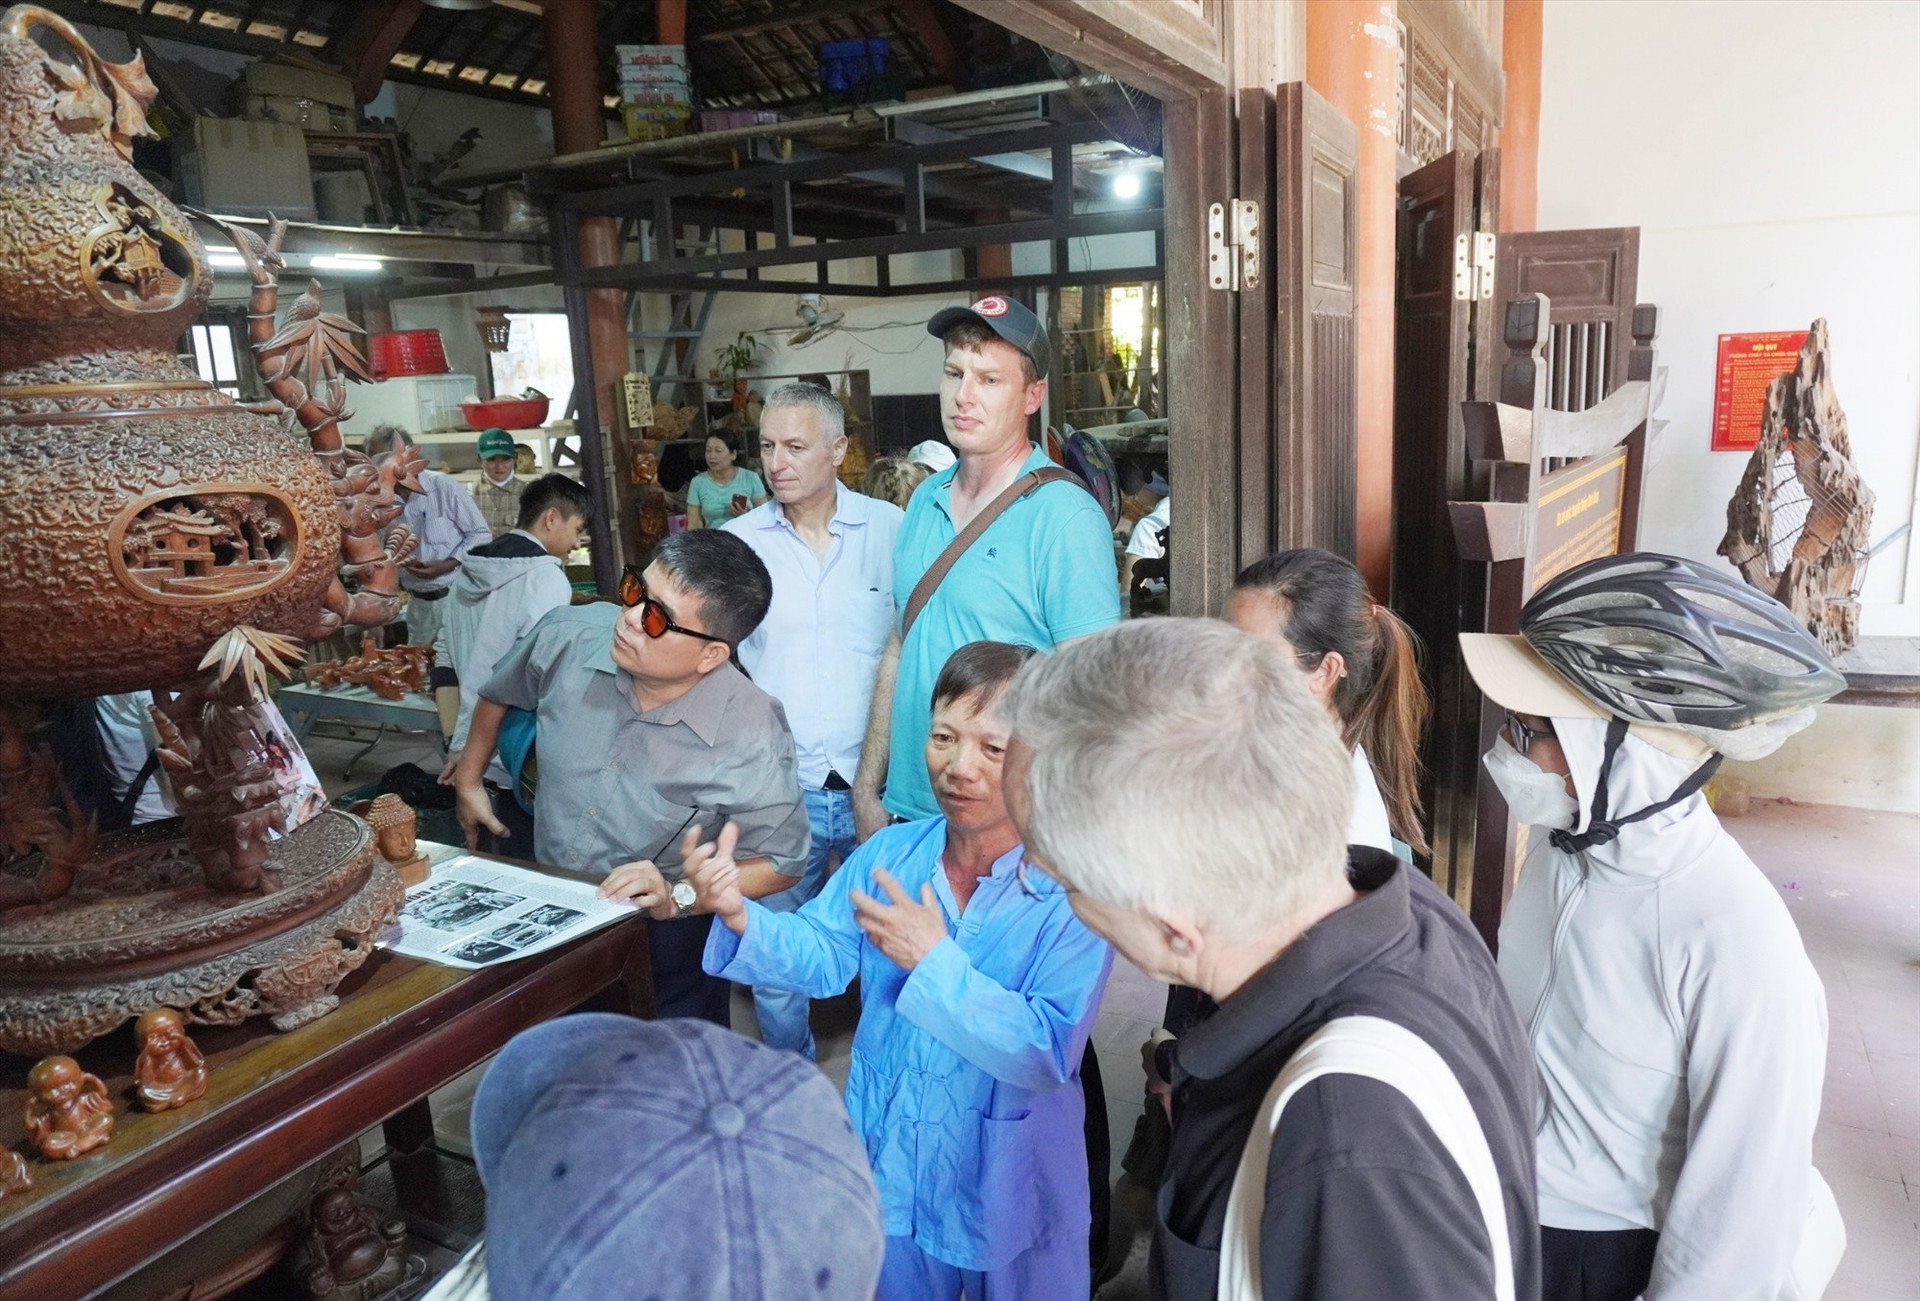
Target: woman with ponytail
1362, 664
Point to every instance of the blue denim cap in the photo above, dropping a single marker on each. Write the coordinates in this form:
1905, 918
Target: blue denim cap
672, 1160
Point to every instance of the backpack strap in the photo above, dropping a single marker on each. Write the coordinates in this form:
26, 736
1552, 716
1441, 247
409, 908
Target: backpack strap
923, 590
1380, 1050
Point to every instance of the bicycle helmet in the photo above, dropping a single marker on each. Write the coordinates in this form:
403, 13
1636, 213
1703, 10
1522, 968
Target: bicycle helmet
1661, 640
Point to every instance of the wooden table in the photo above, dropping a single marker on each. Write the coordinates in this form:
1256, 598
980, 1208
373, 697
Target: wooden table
276, 1103
1881, 671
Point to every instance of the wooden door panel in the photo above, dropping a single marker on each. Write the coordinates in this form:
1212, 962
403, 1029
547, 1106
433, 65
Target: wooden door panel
1590, 277
1203, 467
1316, 159
1432, 373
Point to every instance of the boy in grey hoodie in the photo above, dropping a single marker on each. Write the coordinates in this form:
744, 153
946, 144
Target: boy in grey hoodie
501, 590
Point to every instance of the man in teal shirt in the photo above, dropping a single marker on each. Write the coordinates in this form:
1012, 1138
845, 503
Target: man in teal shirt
1043, 573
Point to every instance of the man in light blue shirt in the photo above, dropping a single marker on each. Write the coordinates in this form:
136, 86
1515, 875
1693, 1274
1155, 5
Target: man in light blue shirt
830, 552
446, 523
1041, 574
978, 987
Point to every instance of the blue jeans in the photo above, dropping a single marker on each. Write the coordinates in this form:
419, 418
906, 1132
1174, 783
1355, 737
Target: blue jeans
783, 1013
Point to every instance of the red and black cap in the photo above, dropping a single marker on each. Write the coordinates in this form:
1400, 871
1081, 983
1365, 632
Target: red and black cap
1004, 317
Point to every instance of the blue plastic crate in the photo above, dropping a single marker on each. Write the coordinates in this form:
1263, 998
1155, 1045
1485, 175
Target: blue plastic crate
853, 69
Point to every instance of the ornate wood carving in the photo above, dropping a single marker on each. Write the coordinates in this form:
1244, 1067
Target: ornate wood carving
1799, 521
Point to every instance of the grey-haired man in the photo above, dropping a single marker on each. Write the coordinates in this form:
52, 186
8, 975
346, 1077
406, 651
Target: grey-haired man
829, 551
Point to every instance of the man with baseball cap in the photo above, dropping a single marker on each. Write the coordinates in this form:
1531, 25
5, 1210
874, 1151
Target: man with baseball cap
1042, 572
669, 1159
499, 489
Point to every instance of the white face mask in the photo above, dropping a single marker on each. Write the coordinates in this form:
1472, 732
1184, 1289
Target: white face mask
502, 481
1534, 797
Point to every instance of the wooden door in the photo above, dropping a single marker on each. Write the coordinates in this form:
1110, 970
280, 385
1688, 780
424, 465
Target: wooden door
1589, 278
1316, 400
1434, 316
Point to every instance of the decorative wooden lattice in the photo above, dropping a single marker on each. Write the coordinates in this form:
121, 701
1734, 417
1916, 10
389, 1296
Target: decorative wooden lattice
1797, 526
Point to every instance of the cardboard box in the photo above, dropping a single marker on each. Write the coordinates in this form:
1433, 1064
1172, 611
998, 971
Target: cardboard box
248, 169
654, 98
654, 121
665, 74
308, 114
642, 55
289, 82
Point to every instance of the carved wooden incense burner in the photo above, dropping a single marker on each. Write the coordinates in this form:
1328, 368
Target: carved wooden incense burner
158, 533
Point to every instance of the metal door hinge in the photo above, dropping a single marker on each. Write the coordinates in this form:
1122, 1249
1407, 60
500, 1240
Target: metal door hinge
1233, 245
1474, 257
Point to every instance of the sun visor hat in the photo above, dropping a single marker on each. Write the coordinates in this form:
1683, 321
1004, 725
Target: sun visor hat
1010, 320
1514, 676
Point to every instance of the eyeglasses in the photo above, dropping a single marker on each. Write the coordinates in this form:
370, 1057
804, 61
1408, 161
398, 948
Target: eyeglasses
1022, 876
1026, 886
654, 619
1522, 735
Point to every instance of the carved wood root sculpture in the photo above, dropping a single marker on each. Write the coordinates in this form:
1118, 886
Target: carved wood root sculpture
1799, 521
388, 672
305, 365
36, 812
216, 757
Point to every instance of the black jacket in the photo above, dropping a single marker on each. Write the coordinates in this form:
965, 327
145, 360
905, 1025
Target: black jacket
1362, 1199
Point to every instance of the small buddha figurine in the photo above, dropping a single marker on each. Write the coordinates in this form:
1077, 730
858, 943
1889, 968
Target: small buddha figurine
394, 825
170, 1071
15, 1177
67, 1110
350, 1251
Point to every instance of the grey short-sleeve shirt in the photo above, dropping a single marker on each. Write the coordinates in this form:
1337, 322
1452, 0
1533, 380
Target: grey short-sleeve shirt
618, 785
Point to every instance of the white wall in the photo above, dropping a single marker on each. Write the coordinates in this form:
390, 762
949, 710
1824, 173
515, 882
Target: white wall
1766, 151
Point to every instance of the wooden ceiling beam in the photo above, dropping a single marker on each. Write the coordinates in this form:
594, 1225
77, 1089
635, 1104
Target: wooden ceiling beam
367, 49
945, 54
812, 12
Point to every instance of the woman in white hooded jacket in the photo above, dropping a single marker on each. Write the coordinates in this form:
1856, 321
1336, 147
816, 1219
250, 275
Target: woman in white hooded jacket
1679, 1029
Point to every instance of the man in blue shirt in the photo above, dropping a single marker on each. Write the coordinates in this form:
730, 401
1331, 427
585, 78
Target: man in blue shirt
978, 987
830, 553
1041, 574
446, 524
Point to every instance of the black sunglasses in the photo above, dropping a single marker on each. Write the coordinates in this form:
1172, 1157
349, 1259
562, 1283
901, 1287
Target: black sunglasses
654, 619
1522, 735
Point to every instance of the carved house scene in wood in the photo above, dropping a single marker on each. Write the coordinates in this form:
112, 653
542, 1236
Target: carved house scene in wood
213, 546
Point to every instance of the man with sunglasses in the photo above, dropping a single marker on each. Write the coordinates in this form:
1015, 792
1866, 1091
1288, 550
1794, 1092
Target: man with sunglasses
648, 735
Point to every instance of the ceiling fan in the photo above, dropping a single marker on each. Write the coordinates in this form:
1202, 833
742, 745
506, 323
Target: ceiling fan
816, 320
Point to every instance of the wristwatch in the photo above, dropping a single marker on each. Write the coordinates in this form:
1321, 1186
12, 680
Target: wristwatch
684, 896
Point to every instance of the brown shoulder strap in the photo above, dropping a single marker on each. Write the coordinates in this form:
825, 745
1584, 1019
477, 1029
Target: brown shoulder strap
1026, 483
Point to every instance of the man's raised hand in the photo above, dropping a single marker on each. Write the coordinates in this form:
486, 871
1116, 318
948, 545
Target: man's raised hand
906, 931
715, 877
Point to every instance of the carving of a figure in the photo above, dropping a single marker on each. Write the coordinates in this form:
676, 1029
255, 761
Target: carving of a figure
15, 1177
348, 1248
68, 1113
171, 1071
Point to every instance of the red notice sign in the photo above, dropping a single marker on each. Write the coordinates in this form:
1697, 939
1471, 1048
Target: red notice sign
1748, 364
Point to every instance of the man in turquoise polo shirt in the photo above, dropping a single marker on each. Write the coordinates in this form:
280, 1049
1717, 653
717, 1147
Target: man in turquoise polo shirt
1041, 574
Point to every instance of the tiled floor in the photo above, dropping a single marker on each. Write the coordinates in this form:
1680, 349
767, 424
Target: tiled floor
1852, 881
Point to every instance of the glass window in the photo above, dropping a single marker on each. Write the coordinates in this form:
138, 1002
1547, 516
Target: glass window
539, 355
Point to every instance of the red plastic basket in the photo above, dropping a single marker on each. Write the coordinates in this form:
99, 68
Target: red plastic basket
407, 352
